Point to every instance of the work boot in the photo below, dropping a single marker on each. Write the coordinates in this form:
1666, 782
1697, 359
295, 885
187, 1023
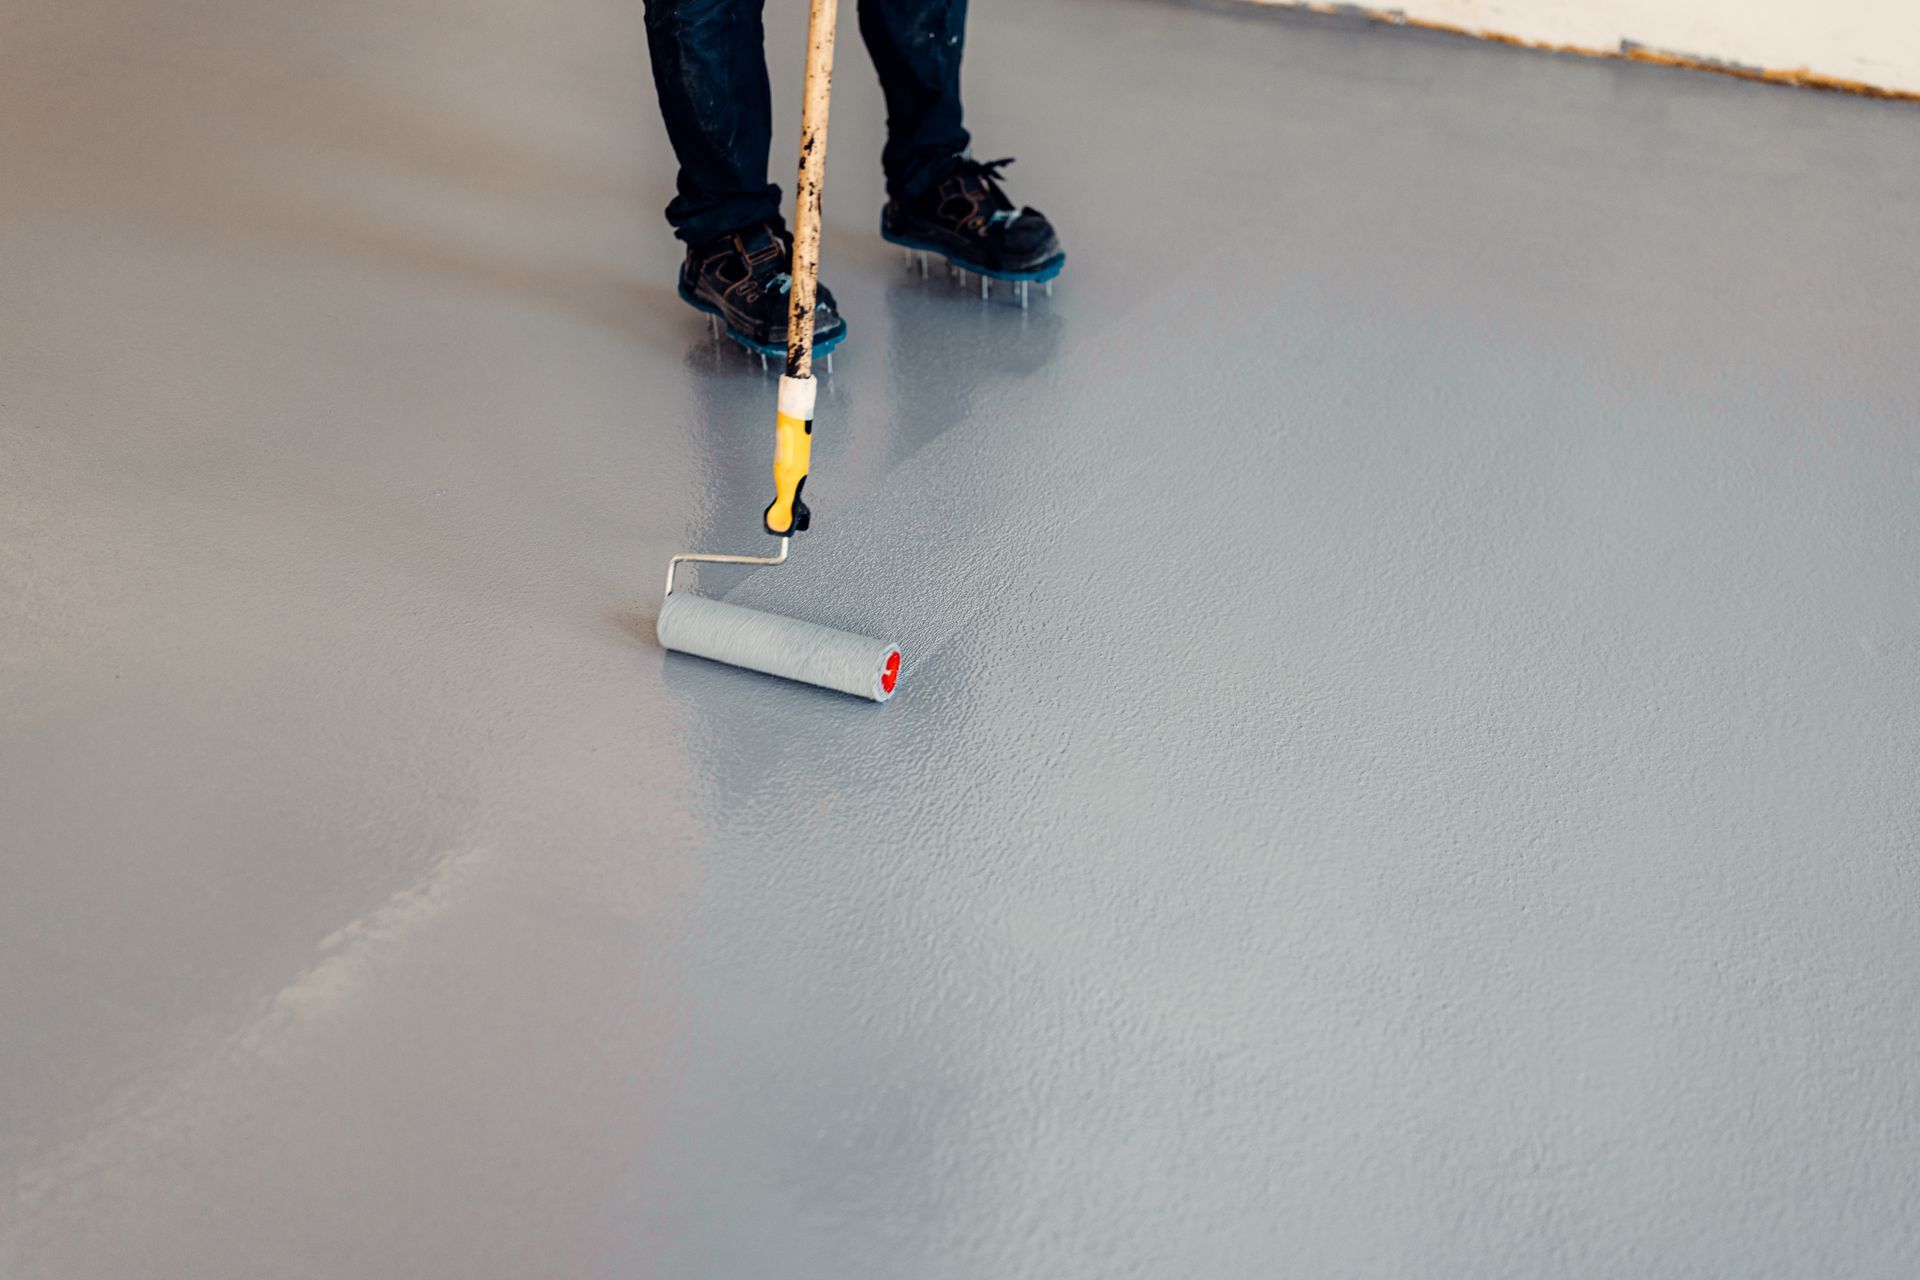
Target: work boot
967, 218
741, 280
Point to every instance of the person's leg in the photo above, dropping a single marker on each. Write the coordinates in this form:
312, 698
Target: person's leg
710, 69
916, 47
938, 198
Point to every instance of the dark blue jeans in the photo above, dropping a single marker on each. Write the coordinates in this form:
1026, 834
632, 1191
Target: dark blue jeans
710, 67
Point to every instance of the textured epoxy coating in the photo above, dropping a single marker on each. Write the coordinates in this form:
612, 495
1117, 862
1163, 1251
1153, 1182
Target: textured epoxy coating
1408, 762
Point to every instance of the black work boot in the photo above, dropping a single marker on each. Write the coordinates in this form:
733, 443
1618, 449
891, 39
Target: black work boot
967, 218
741, 279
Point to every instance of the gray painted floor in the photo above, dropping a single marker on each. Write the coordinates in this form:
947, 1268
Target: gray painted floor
1407, 763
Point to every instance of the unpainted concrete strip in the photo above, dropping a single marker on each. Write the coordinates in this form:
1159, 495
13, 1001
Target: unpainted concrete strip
1629, 51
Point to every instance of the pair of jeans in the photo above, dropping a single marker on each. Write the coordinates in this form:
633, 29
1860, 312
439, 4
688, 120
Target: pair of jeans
710, 68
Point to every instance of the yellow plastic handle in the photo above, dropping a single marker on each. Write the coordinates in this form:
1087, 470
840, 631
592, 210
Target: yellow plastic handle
792, 453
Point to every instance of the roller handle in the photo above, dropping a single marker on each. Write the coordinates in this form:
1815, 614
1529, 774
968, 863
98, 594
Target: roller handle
793, 428
792, 450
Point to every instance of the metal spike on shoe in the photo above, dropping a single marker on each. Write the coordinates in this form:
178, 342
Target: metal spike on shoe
713, 327
829, 359
1021, 289
1048, 288
985, 285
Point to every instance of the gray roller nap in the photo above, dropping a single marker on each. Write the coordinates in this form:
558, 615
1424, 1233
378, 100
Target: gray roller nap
787, 647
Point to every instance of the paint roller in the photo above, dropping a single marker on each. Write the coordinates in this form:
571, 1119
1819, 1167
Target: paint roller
780, 646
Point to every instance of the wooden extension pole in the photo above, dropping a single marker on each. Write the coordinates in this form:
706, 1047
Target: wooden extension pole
806, 192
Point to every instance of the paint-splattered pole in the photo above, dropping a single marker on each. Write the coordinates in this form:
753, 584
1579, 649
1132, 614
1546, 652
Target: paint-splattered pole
806, 199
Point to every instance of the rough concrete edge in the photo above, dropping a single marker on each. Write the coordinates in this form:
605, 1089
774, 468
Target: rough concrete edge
1629, 51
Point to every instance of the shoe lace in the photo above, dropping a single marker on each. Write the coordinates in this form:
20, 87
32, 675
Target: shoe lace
989, 173
782, 281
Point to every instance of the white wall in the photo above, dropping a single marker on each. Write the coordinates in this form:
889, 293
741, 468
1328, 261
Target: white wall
1873, 42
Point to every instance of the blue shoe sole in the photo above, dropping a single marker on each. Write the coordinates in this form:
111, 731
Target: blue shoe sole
1044, 272
821, 346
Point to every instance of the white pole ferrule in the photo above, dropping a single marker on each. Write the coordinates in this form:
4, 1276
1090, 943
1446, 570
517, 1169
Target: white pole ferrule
796, 397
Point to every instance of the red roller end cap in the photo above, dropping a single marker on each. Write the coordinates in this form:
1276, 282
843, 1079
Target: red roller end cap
890, 673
